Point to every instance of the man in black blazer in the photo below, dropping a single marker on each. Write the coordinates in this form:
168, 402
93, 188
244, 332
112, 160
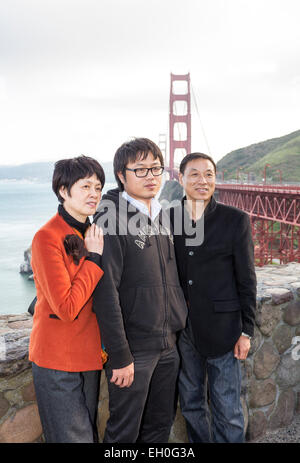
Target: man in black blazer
219, 282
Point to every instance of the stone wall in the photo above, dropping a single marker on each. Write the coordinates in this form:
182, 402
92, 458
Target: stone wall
19, 418
271, 374
271, 383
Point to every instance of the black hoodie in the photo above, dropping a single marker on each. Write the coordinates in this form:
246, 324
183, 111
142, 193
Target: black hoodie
139, 302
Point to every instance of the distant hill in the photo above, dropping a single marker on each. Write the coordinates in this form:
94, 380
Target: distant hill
281, 153
42, 172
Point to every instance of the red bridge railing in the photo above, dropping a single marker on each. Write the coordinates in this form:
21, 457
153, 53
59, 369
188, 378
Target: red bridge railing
274, 212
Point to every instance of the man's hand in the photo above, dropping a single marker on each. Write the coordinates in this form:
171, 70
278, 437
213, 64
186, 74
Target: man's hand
123, 377
242, 348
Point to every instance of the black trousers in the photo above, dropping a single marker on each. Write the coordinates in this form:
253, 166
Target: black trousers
145, 411
68, 404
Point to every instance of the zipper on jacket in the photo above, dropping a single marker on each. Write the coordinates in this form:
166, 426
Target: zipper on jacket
165, 336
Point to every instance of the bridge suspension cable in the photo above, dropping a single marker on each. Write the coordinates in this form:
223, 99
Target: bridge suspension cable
194, 99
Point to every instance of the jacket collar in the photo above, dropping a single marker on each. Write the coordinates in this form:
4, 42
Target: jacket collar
79, 226
210, 208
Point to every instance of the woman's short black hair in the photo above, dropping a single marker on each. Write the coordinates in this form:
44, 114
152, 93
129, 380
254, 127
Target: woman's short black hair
69, 171
191, 157
138, 148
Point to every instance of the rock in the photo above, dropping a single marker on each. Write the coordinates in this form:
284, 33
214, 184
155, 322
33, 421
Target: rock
103, 415
171, 191
282, 338
284, 411
245, 413
262, 393
23, 317
247, 371
263, 298
267, 318
283, 280
14, 352
103, 407
28, 392
270, 409
296, 287
23, 427
20, 325
266, 360
178, 432
280, 295
4, 405
255, 341
257, 425
25, 267
288, 372
292, 313
298, 403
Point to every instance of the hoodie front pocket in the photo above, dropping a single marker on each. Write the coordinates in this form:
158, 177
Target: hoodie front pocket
148, 312
127, 302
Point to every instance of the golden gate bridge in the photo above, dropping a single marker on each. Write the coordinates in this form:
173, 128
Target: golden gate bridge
274, 210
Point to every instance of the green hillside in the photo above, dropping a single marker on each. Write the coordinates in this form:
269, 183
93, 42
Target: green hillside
281, 153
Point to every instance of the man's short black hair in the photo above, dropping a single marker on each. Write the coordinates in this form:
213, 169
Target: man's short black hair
191, 157
69, 171
138, 148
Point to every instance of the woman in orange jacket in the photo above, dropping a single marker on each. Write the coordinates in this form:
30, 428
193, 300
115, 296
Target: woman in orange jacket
65, 346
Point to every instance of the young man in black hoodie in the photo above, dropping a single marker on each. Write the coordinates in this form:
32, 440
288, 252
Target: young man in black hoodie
139, 305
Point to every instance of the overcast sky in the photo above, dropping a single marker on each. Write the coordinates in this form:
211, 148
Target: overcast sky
83, 76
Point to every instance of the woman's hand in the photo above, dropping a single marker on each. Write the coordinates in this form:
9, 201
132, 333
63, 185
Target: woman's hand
93, 239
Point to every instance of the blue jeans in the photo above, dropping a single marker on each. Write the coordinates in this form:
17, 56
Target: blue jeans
223, 420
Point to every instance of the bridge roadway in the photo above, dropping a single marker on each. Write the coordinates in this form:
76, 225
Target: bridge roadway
279, 203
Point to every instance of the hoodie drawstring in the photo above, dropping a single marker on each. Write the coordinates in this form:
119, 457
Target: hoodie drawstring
168, 238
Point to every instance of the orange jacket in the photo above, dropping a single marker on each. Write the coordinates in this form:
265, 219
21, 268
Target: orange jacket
65, 333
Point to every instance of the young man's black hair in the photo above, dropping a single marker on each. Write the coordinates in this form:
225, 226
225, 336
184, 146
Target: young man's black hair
138, 148
69, 171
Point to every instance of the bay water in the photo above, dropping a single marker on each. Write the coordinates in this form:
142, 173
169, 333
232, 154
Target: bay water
24, 208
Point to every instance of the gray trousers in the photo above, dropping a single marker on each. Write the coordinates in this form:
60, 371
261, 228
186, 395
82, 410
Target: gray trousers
68, 404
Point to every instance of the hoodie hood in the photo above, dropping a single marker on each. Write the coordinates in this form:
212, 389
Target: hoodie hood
113, 195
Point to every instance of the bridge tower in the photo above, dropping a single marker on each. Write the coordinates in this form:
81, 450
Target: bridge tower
179, 120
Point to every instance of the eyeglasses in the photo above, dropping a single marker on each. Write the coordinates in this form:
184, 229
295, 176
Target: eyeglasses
143, 171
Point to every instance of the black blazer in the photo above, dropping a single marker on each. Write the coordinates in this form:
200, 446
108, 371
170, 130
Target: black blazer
218, 279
